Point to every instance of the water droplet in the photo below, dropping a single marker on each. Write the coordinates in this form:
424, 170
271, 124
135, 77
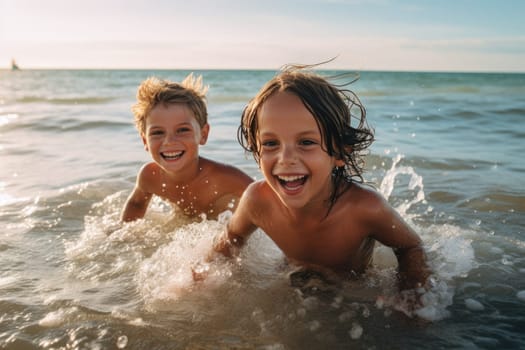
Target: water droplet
473, 305
356, 331
122, 341
366, 312
314, 325
507, 260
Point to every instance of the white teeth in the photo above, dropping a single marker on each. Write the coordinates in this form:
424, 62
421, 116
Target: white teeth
172, 154
290, 178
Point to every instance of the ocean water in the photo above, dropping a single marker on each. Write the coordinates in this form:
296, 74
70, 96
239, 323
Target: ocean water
447, 156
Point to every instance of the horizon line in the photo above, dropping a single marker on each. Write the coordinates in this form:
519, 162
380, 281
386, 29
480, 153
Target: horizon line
262, 69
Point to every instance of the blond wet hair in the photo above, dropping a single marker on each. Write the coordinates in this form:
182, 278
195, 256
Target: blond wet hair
155, 91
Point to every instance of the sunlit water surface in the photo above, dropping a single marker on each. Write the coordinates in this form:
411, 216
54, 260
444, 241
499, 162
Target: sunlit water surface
447, 157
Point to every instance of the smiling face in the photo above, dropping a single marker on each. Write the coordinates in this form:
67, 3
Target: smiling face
172, 136
292, 156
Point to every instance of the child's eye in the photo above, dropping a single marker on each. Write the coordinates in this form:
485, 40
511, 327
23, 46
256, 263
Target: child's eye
156, 132
307, 142
269, 143
183, 130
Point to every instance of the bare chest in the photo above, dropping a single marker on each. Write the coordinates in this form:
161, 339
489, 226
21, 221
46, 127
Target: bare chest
190, 201
331, 244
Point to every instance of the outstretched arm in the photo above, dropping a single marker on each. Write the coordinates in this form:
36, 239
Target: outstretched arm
138, 201
136, 205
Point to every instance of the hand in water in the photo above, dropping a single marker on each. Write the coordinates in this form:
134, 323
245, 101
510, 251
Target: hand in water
409, 301
200, 271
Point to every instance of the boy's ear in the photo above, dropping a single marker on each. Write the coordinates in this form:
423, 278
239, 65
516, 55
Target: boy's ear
339, 163
205, 130
145, 142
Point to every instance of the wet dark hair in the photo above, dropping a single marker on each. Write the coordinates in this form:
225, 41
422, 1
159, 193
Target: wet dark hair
333, 107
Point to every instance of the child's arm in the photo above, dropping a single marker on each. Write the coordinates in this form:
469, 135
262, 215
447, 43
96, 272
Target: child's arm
138, 201
239, 227
228, 242
136, 205
391, 230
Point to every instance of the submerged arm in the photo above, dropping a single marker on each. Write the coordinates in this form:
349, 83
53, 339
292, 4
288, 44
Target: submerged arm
234, 236
413, 268
239, 228
393, 231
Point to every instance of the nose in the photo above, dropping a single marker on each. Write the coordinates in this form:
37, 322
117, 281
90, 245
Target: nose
170, 138
288, 154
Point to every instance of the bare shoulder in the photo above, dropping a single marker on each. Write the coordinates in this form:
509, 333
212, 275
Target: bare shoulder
258, 195
367, 201
224, 171
149, 170
149, 174
257, 200
365, 193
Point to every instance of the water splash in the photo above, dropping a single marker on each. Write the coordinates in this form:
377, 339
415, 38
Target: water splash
167, 273
415, 184
449, 248
154, 256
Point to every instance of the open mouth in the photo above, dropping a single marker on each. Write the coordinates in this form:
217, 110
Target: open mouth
292, 183
171, 155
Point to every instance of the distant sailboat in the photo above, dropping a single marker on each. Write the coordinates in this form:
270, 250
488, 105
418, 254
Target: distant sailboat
14, 66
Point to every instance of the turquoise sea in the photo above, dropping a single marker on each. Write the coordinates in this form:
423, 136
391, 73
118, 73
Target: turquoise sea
448, 156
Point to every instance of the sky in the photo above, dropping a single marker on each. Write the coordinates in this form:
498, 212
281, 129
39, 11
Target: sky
393, 35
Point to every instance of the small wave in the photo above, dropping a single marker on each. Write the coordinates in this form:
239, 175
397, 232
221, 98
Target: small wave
374, 93
448, 164
94, 125
66, 100
7, 118
468, 114
460, 89
497, 201
69, 124
510, 111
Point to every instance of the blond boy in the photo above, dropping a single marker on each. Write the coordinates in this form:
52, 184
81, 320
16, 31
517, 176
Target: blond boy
172, 122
